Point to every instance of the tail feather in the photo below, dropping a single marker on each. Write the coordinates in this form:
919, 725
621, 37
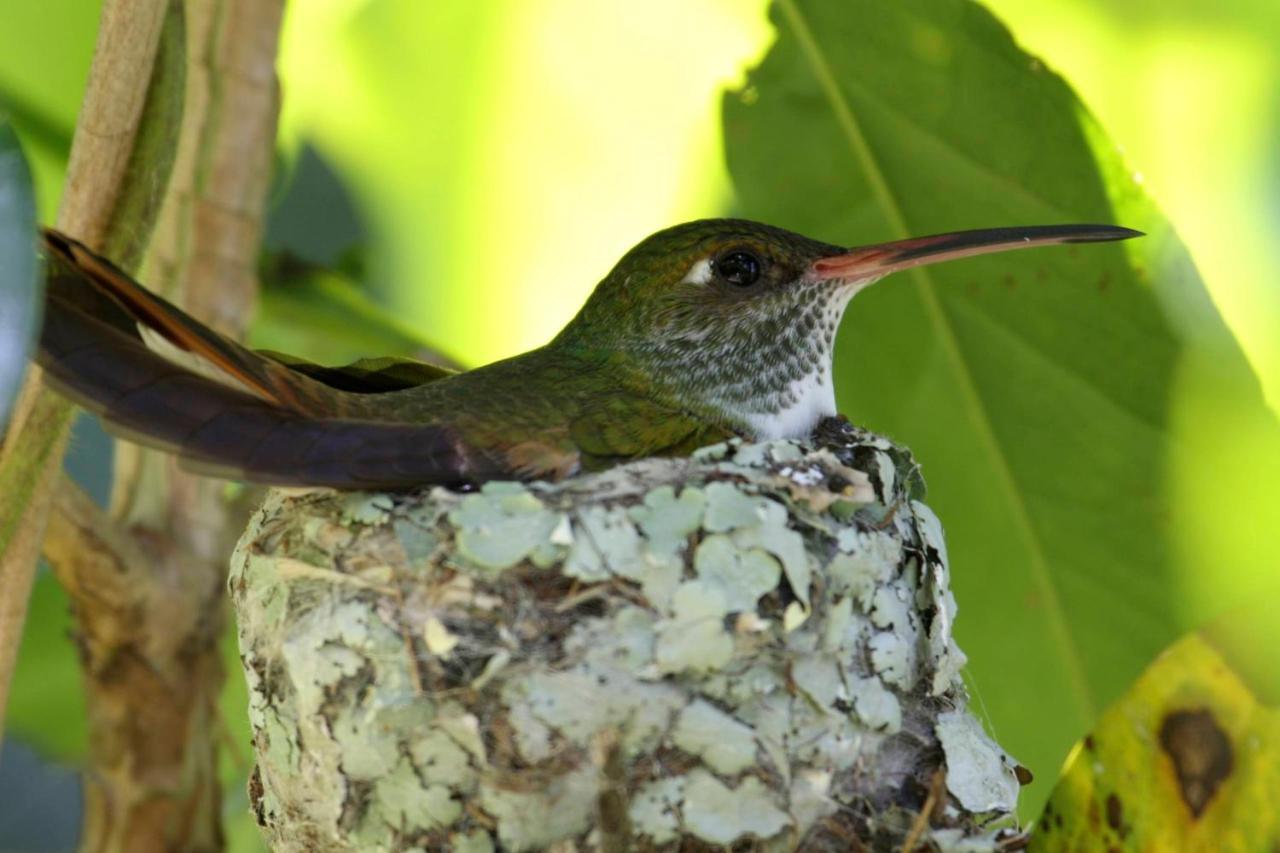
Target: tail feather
83, 278
275, 429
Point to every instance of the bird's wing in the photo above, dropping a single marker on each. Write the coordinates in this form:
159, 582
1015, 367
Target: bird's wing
368, 375
614, 430
629, 427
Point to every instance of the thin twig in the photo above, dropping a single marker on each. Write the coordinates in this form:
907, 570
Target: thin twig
925, 817
92, 205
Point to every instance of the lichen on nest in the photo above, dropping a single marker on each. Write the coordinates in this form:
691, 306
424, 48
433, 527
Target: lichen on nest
750, 647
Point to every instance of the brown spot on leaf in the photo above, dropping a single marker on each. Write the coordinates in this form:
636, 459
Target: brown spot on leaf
1088, 742
1201, 755
1024, 775
1115, 814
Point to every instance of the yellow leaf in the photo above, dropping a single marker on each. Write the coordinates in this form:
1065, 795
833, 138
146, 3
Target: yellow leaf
1188, 759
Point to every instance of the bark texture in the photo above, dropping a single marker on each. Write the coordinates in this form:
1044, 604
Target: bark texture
751, 648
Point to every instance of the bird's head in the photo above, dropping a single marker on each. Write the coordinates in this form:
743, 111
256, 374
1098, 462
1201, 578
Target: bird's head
736, 320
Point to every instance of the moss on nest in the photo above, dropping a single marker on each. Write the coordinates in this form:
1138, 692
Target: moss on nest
751, 647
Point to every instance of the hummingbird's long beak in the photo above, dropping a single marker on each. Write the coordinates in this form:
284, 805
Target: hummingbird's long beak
884, 258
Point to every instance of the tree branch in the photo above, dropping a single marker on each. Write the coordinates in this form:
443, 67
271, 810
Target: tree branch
152, 784
128, 106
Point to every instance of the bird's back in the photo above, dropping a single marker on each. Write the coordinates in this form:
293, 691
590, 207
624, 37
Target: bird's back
159, 376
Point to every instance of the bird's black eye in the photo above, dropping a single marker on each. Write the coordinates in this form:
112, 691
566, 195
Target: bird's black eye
739, 268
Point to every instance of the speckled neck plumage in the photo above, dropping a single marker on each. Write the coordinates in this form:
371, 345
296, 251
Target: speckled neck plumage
764, 369
766, 372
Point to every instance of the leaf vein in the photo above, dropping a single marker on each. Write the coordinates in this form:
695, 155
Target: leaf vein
1021, 517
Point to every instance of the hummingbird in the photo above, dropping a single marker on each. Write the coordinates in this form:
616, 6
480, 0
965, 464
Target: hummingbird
701, 332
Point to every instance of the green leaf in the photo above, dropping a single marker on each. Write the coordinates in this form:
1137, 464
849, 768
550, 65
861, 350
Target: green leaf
18, 285
1077, 410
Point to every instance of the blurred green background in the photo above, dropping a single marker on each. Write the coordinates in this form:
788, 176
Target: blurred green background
484, 164
461, 127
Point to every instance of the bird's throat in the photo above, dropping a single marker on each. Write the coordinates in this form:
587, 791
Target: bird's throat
804, 403
768, 378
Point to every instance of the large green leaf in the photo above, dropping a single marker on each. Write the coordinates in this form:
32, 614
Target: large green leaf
18, 288
1076, 410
